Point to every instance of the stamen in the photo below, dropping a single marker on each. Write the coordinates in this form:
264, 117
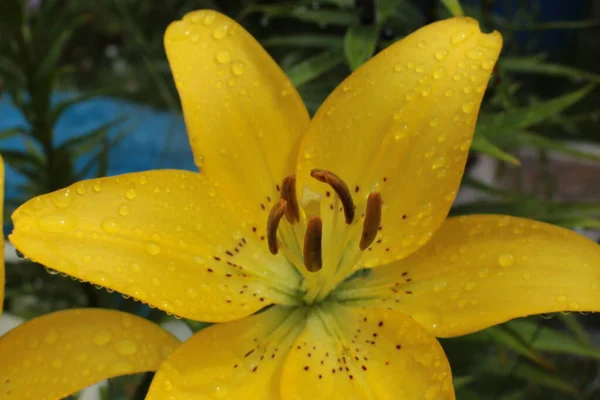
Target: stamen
313, 260
288, 193
273, 223
372, 220
340, 188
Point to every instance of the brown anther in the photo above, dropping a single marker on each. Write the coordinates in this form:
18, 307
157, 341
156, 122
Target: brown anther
372, 220
288, 193
273, 223
313, 260
340, 188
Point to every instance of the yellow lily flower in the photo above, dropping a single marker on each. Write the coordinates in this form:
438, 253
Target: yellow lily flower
297, 214
55, 355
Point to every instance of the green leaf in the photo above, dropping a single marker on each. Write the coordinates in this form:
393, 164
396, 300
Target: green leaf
63, 106
359, 44
12, 132
303, 13
82, 144
537, 66
533, 375
543, 143
454, 7
21, 160
314, 67
513, 339
51, 58
551, 340
573, 324
483, 145
304, 41
504, 124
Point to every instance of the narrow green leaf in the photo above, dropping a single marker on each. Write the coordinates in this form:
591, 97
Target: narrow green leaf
12, 132
81, 98
314, 67
543, 143
359, 44
82, 144
55, 50
303, 13
305, 41
513, 340
462, 381
504, 124
454, 7
537, 66
533, 375
20, 160
483, 145
575, 326
551, 340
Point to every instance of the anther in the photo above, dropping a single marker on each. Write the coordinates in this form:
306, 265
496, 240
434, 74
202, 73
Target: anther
288, 193
313, 260
340, 188
273, 223
372, 220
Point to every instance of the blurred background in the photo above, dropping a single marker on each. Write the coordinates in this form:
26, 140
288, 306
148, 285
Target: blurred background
86, 91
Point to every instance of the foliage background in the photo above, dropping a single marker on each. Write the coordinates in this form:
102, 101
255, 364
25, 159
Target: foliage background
537, 140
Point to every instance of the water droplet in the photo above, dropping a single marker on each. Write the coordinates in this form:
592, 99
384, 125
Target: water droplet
130, 194
474, 54
220, 32
433, 391
110, 225
309, 152
398, 67
57, 363
561, 299
80, 189
223, 57
438, 162
487, 65
82, 357
57, 223
167, 385
458, 38
420, 69
238, 67
440, 286
96, 187
469, 286
506, 260
468, 107
422, 44
209, 18
441, 54
438, 73
152, 248
102, 337
126, 347
51, 337
123, 210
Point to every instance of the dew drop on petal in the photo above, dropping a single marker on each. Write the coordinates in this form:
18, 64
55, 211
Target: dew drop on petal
152, 248
102, 337
506, 260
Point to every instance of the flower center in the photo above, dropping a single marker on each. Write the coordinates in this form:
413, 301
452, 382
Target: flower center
322, 268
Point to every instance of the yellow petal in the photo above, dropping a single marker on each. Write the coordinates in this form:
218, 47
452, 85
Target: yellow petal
58, 354
236, 360
350, 353
482, 270
402, 125
243, 115
1, 224
166, 237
